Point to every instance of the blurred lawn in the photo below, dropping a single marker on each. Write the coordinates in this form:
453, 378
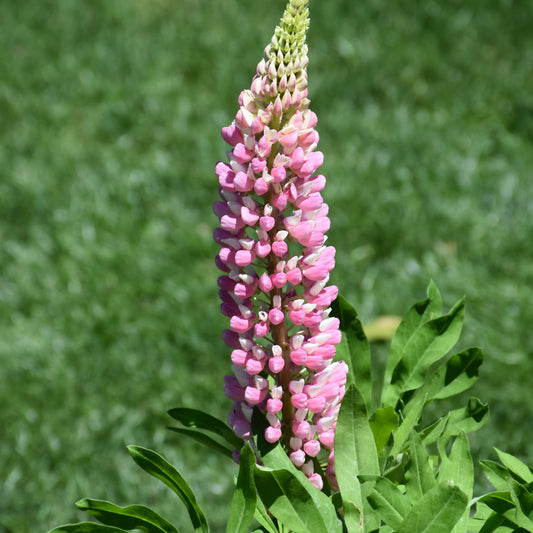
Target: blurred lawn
111, 112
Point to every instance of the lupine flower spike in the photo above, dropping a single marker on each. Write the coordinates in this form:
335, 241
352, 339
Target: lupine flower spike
276, 266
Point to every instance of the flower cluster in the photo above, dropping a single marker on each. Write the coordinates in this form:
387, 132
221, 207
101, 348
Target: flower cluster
276, 265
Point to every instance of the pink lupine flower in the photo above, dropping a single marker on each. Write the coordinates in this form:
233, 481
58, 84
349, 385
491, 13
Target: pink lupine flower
275, 284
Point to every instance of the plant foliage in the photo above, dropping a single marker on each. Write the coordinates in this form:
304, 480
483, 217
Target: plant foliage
397, 470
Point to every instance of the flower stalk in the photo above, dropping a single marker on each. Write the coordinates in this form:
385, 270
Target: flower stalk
275, 284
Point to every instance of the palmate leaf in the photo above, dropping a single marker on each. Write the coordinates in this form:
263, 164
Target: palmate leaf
131, 517
497, 474
458, 374
298, 496
382, 423
355, 455
434, 431
514, 497
497, 523
296, 503
419, 475
160, 468
500, 501
388, 501
515, 466
522, 495
193, 418
420, 313
354, 347
262, 516
244, 500
487, 521
401, 435
468, 419
437, 511
509, 509
458, 468
427, 345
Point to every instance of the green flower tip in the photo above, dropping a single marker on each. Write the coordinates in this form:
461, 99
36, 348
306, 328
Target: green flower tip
281, 74
289, 35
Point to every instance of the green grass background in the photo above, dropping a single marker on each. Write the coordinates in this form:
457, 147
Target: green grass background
109, 132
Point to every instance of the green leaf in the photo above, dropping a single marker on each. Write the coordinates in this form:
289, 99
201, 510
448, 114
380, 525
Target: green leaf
87, 527
459, 373
437, 511
411, 420
515, 466
459, 468
499, 524
522, 495
131, 517
468, 419
245, 496
389, 502
355, 454
204, 439
354, 347
295, 502
383, 422
434, 431
497, 474
157, 466
496, 522
262, 516
420, 313
500, 502
427, 345
419, 474
354, 436
275, 458
194, 418
508, 506
394, 467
